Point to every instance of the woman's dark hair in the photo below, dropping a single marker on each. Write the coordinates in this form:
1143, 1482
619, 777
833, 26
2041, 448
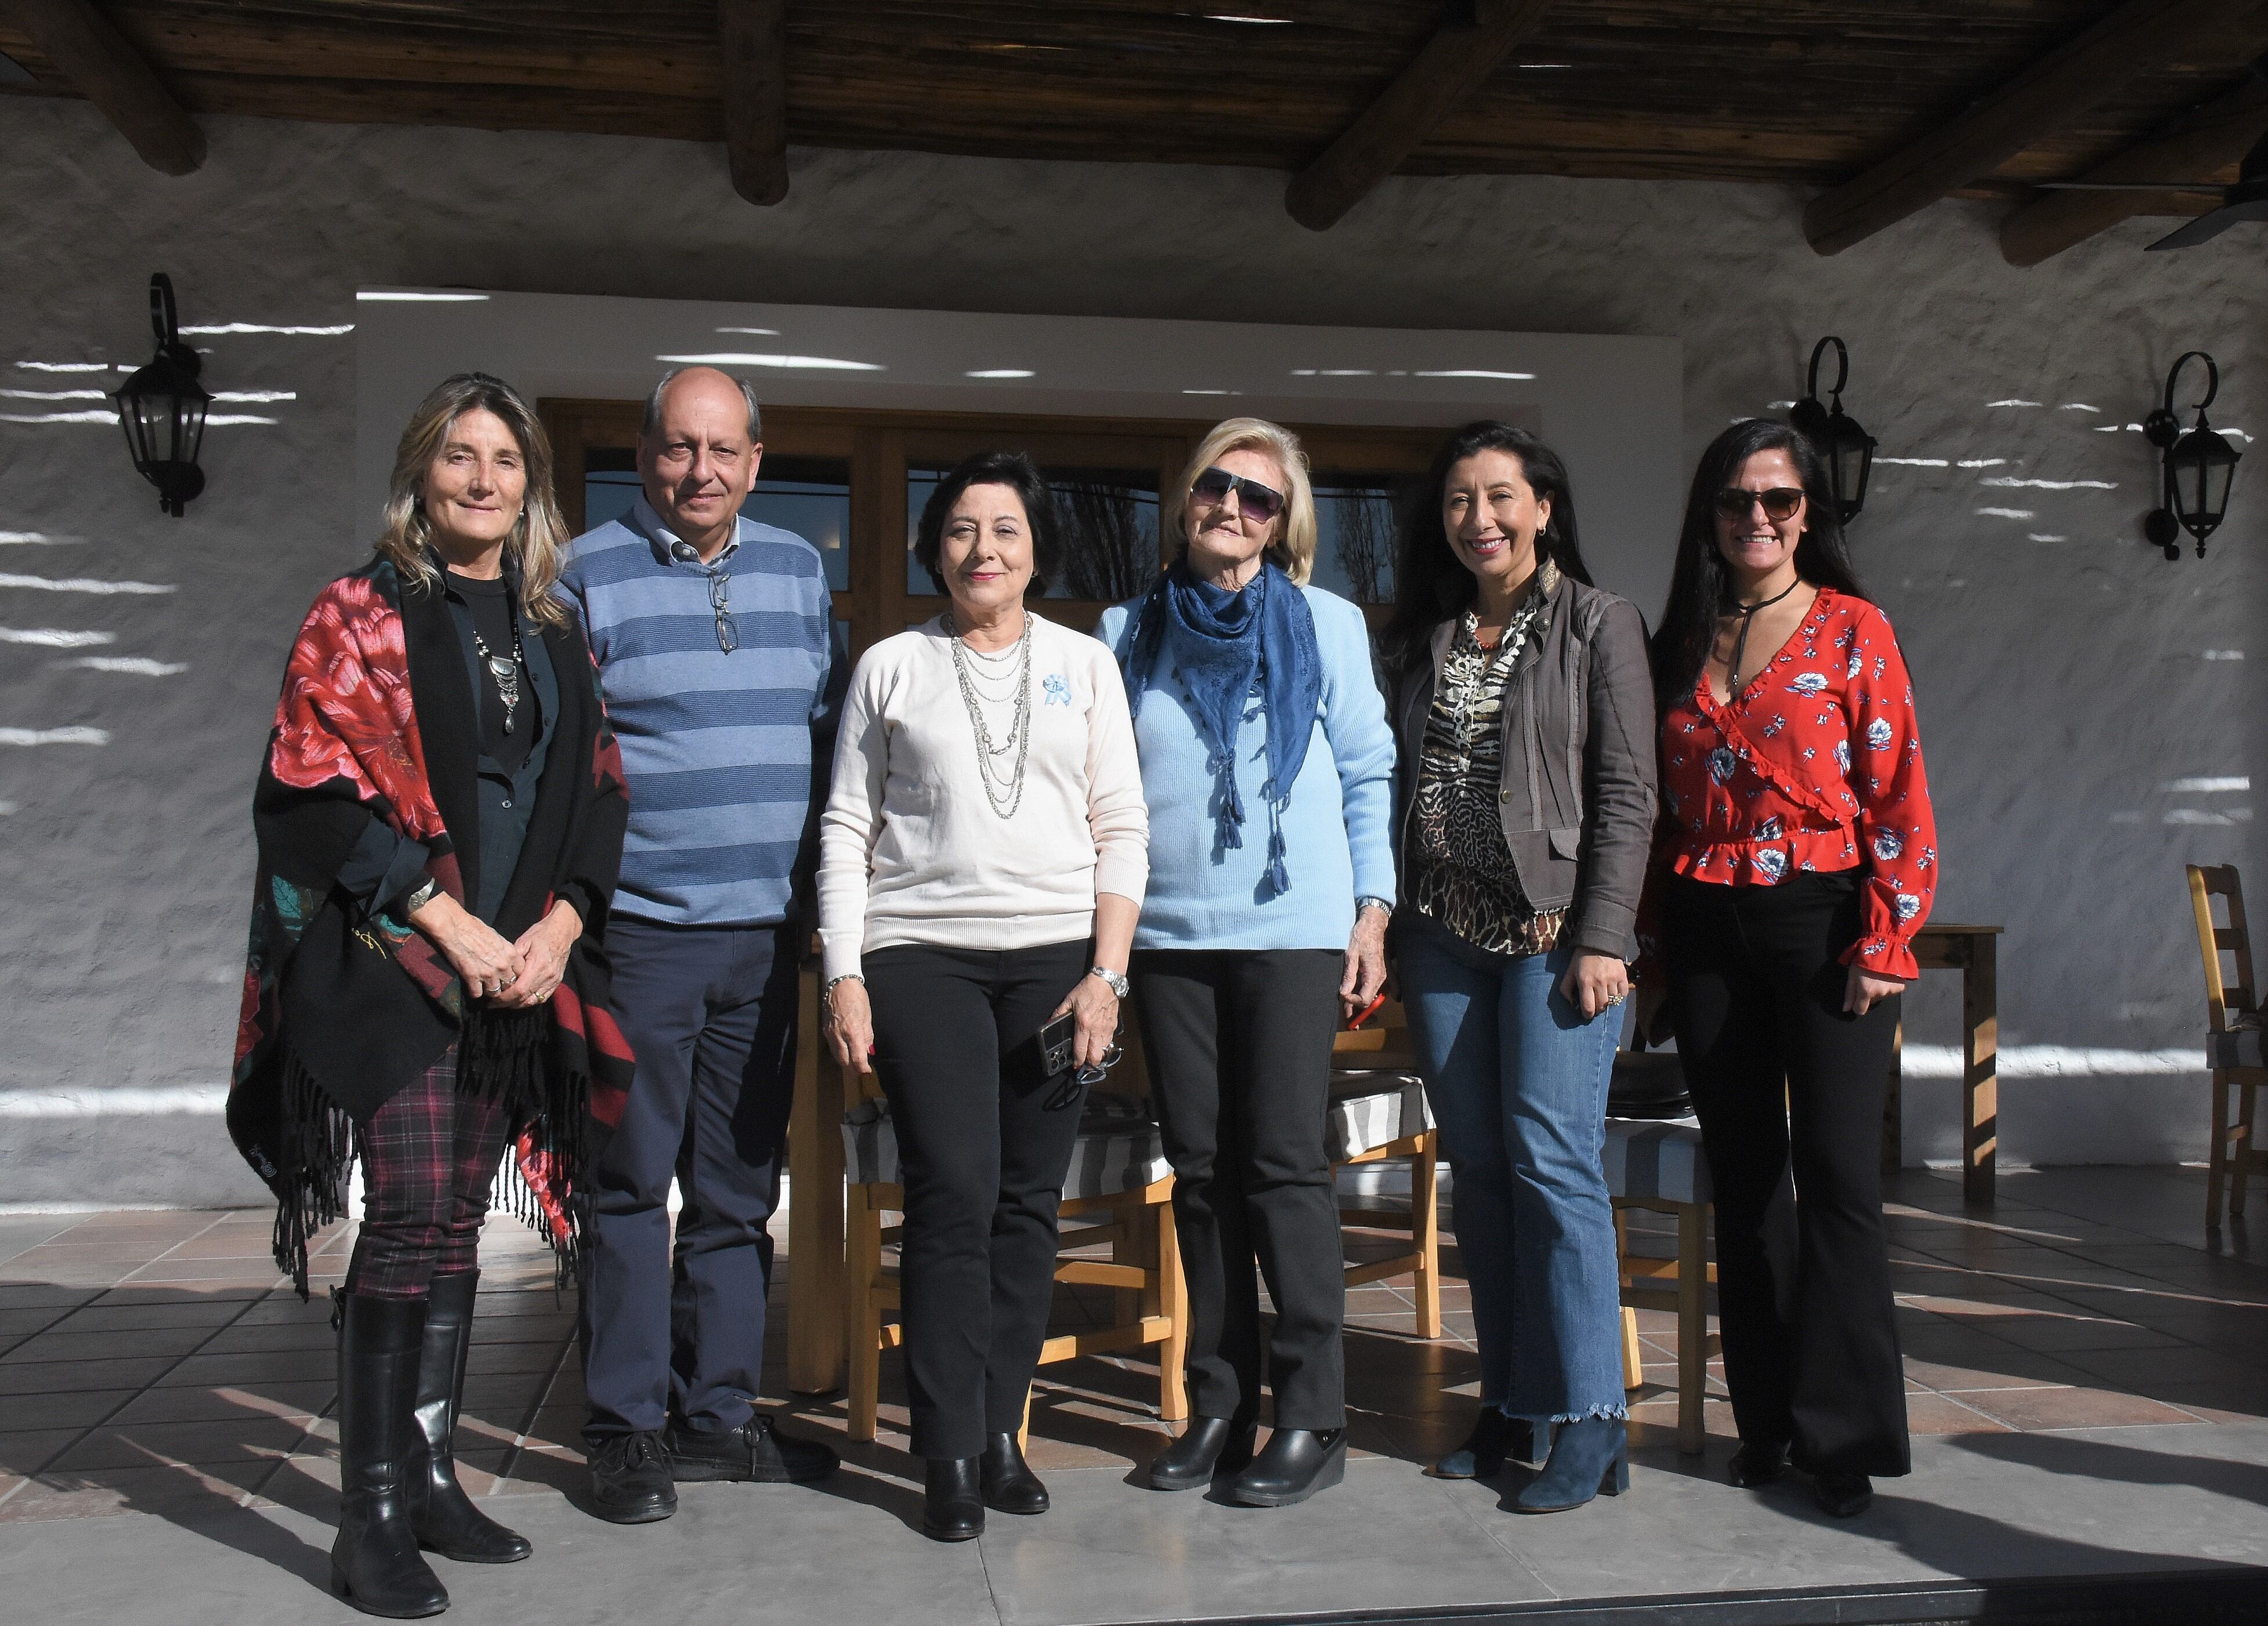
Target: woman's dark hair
1431, 584
1019, 474
1699, 584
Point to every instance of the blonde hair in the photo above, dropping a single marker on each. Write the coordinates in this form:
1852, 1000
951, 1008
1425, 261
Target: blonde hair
538, 533
1292, 546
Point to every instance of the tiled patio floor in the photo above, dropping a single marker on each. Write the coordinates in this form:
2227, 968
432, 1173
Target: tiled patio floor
153, 1363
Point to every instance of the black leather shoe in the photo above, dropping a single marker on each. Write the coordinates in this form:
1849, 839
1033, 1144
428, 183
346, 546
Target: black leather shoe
1758, 1462
1208, 1447
1843, 1495
952, 1500
375, 1564
630, 1480
444, 1518
1007, 1480
1495, 1440
755, 1451
1293, 1465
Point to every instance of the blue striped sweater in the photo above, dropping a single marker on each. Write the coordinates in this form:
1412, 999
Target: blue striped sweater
719, 749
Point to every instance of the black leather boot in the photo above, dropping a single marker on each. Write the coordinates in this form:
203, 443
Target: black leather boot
443, 1515
1207, 1447
1293, 1465
952, 1500
1007, 1480
375, 1564
1758, 1462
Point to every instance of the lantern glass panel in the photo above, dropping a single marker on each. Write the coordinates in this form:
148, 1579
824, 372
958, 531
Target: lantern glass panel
2204, 468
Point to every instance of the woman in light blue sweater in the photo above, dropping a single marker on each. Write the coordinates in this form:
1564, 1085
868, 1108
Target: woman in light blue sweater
1268, 766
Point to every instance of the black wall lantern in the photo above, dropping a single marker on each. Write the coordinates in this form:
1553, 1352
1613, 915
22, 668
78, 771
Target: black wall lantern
162, 408
1847, 450
2199, 467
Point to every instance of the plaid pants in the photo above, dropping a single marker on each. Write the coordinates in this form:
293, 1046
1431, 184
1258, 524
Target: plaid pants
429, 1156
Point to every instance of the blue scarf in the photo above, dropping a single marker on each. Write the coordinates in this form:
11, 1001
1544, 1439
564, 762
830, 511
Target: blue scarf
1221, 642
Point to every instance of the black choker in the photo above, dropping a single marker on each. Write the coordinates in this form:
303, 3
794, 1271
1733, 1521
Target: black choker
1747, 613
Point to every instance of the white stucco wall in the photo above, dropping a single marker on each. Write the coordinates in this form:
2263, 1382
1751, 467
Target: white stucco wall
2076, 689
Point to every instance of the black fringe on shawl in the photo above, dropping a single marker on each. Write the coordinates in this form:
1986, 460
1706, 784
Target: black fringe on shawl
502, 1055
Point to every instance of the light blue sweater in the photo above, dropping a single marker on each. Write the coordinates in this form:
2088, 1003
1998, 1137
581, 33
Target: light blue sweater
1335, 828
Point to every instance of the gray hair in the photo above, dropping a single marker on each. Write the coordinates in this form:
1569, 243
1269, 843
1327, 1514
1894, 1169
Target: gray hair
650, 424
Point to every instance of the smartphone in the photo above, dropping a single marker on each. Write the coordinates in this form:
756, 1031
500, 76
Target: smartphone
1057, 1041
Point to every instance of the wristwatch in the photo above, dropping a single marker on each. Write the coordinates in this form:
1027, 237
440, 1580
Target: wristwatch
419, 898
1116, 981
1379, 904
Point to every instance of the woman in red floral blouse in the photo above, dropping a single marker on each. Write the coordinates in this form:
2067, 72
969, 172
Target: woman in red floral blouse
1796, 859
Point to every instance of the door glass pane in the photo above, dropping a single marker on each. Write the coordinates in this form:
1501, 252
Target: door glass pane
1354, 535
810, 495
1110, 521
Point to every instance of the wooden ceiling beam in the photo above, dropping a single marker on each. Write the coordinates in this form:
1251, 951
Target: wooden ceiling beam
81, 45
2193, 148
753, 38
2052, 93
1447, 72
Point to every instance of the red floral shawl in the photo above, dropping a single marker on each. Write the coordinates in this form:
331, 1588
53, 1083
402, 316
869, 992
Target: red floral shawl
339, 1008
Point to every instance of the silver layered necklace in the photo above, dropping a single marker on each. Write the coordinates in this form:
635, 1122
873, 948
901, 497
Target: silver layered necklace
505, 669
998, 678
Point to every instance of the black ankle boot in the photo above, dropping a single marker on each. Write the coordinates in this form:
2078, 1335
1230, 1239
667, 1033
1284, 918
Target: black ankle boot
1495, 1439
1208, 1447
1007, 1480
1294, 1464
952, 1500
443, 1515
375, 1564
1758, 1462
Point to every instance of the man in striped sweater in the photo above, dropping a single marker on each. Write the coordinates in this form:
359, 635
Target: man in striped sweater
714, 639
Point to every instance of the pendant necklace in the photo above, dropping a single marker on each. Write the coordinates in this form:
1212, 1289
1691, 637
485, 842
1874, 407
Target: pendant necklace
1004, 790
505, 669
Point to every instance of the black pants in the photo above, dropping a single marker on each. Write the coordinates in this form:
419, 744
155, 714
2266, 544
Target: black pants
1756, 988
1240, 1051
677, 1325
983, 1156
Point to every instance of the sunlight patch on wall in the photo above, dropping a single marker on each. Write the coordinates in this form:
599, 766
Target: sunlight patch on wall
381, 297
54, 736
84, 584
1913, 462
2199, 815
1981, 462
32, 539
2012, 481
219, 328
2208, 786
54, 637
763, 359
2044, 536
2055, 1061
2008, 514
64, 367
137, 666
2012, 404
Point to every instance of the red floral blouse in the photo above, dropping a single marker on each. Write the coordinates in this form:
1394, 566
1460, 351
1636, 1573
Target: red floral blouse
1816, 764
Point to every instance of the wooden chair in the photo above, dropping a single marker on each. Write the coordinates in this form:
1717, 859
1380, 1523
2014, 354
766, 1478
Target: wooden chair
2233, 1040
1659, 1166
1378, 1114
1117, 1193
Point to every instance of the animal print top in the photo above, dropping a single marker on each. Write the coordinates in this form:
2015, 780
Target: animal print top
1461, 872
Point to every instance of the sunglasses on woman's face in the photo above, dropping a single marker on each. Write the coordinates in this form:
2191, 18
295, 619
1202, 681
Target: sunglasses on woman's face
1262, 502
1779, 503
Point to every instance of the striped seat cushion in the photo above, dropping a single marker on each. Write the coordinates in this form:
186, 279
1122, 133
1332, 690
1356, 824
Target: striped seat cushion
1373, 1107
2240, 1048
1657, 1159
1118, 1149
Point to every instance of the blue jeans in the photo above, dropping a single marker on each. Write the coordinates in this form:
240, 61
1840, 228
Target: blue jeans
1518, 1082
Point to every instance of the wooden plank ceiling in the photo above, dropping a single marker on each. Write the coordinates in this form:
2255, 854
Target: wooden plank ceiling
1814, 93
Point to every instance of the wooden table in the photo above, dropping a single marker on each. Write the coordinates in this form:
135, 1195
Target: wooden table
1973, 951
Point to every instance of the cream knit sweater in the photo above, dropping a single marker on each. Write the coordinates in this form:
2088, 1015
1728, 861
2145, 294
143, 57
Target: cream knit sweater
910, 849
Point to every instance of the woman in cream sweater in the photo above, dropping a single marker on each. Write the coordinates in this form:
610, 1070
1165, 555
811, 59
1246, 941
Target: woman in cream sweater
981, 863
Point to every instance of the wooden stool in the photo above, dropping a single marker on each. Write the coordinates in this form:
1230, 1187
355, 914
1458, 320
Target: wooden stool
1378, 1113
1119, 1185
1658, 1164
2233, 1046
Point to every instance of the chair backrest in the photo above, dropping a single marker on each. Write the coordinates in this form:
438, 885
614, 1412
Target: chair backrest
2226, 997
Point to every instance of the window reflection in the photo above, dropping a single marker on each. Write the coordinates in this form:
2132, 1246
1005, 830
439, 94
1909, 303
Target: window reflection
1354, 535
1110, 529
810, 495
